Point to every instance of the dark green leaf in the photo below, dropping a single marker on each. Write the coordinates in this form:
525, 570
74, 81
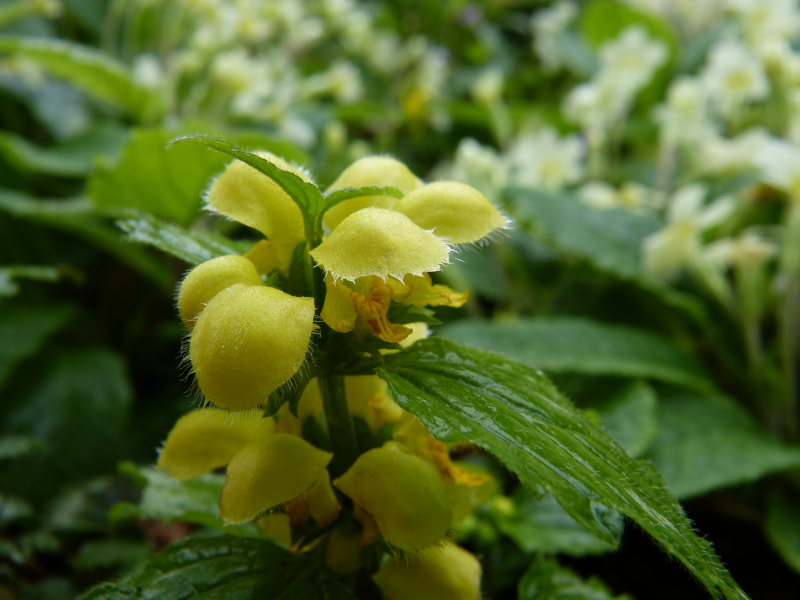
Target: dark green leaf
192, 247
518, 415
547, 580
13, 446
630, 417
783, 529
306, 195
541, 525
94, 72
102, 554
707, 442
575, 345
223, 568
23, 331
611, 240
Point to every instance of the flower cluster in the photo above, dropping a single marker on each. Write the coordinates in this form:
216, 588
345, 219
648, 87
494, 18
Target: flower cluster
248, 339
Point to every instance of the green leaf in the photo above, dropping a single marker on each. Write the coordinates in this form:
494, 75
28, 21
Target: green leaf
77, 408
77, 216
192, 247
630, 417
611, 240
13, 446
223, 567
707, 442
604, 20
515, 413
541, 525
24, 331
576, 345
547, 580
9, 275
73, 158
783, 529
340, 196
102, 554
13, 509
96, 73
306, 195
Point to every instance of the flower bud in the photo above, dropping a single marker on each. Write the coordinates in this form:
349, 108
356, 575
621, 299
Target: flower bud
454, 211
204, 440
208, 279
381, 171
445, 571
249, 341
403, 493
269, 472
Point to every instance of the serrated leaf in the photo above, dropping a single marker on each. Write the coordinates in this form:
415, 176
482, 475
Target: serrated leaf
306, 195
547, 580
192, 247
611, 240
73, 158
541, 525
515, 413
24, 331
96, 73
223, 568
706, 442
630, 417
577, 345
783, 529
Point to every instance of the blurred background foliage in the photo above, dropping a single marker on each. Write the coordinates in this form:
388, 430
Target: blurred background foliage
648, 152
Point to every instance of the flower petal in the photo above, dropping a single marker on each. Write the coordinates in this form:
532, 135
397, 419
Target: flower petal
380, 171
454, 211
248, 342
380, 242
243, 194
267, 473
420, 291
206, 439
207, 279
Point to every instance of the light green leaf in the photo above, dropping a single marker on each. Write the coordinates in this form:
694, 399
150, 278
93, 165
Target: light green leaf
96, 73
707, 442
73, 158
223, 567
630, 417
547, 580
515, 413
576, 345
783, 529
192, 247
306, 195
611, 240
604, 20
24, 331
541, 525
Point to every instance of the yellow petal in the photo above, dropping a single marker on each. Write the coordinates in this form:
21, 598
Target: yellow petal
339, 312
421, 291
322, 503
204, 440
381, 171
433, 574
243, 194
380, 242
264, 256
403, 493
454, 211
367, 398
207, 279
466, 498
275, 526
248, 342
269, 472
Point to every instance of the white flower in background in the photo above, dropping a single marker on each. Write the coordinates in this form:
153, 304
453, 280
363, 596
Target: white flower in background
601, 195
678, 244
342, 81
148, 71
545, 160
779, 161
684, 115
717, 155
547, 25
628, 63
487, 88
745, 251
476, 165
733, 75
764, 21
595, 108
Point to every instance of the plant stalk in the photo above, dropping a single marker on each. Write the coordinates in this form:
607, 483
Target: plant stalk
340, 425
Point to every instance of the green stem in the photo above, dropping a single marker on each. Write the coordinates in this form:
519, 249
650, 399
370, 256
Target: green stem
340, 425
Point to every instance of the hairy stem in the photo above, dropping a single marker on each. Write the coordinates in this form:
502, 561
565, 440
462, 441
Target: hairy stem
340, 425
